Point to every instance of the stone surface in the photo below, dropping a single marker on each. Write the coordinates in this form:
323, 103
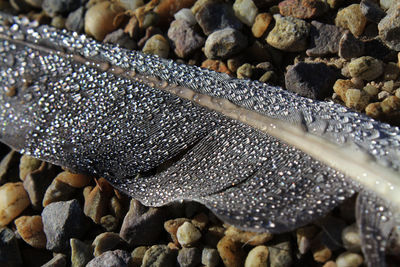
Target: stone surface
187, 15
60, 7
366, 68
371, 10
321, 253
257, 257
138, 255
159, 256
187, 234
8, 168
261, 24
61, 221
116, 258
171, 226
351, 238
81, 253
224, 43
386, 4
167, 8
351, 18
246, 237
350, 47
107, 241
210, 257
27, 165
97, 200
246, 11
391, 71
245, 71
157, 45
349, 259
324, 39
357, 99
289, 34
9, 251
230, 252
13, 201
30, 228
305, 236
184, 38
312, 80
58, 191
280, 253
389, 28
217, 65
302, 9
59, 260
189, 257
120, 38
75, 20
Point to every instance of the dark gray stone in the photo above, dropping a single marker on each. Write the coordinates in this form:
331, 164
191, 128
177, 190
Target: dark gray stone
60, 7
159, 256
324, 39
185, 39
389, 28
372, 11
59, 260
312, 80
76, 20
62, 221
224, 43
120, 38
350, 47
116, 258
9, 168
189, 257
10, 255
215, 16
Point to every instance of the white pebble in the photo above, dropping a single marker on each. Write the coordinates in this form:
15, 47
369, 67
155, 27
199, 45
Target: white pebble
187, 234
349, 259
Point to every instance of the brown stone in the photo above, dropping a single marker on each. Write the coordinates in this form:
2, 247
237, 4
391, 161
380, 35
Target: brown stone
217, 65
171, 226
30, 228
230, 252
96, 202
247, 237
74, 179
351, 18
261, 23
13, 200
302, 9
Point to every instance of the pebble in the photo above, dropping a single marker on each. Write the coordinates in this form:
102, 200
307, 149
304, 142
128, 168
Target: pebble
351, 18
8, 169
366, 68
230, 252
312, 80
150, 31
397, 92
61, 221
189, 257
280, 254
386, 4
131, 4
75, 20
216, 65
246, 11
390, 104
142, 228
138, 254
59, 7
357, 99
321, 253
371, 90
9, 253
167, 8
371, 10
305, 237
186, 14
302, 9
374, 110
246, 237
120, 38
59, 260
349, 259
213, 16
391, 71
81, 253
27, 165
350, 47
58, 191
157, 45
30, 228
341, 86
330, 264
257, 257
171, 226
261, 24
107, 241
245, 71
351, 238
58, 22
184, 38
187, 234
210, 257
289, 34
109, 222
97, 200
382, 95
388, 86
159, 256
200, 221
324, 39
13, 201
224, 43
389, 27
116, 258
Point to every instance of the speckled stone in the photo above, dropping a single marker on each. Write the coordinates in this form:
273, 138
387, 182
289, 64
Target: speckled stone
58, 191
224, 43
187, 234
371, 10
210, 257
30, 228
261, 24
257, 257
27, 165
349, 259
302, 9
9, 251
184, 38
366, 68
81, 253
245, 71
159, 256
230, 252
389, 28
280, 253
246, 237
289, 34
386, 4
13, 201
116, 258
350, 47
324, 39
157, 45
189, 257
246, 11
390, 104
351, 18
357, 99
107, 241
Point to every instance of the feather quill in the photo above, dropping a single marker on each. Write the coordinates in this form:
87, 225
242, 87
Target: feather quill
258, 156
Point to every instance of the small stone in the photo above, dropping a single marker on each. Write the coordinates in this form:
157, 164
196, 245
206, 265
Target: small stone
388, 86
9, 250
224, 43
302, 9
132, 28
58, 191
341, 86
351, 18
171, 226
390, 104
121, 38
189, 257
324, 39
351, 238
261, 23
167, 8
312, 80
216, 65
159, 256
30, 228
27, 165
397, 93
371, 90
230, 252
356, 99
187, 234
245, 71
210, 257
75, 20
268, 77
157, 45
142, 228
13, 201
280, 253
289, 34
305, 236
383, 94
366, 68
349, 259
81, 253
186, 14
59, 7
109, 222
185, 39
391, 71
246, 237
374, 110
61, 221
389, 27
138, 254
58, 22
246, 11
330, 264
371, 10
214, 15
107, 241
386, 4
150, 32
116, 258
321, 253
8, 168
257, 257
59, 260
200, 221
350, 47
96, 202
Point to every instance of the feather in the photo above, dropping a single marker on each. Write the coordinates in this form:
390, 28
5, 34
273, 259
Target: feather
260, 157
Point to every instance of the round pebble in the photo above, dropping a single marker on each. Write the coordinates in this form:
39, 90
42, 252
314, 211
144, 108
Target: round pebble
13, 200
246, 11
349, 259
351, 238
261, 24
257, 257
224, 43
157, 45
187, 234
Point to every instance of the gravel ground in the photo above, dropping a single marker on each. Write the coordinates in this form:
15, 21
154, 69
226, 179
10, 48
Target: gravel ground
342, 51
